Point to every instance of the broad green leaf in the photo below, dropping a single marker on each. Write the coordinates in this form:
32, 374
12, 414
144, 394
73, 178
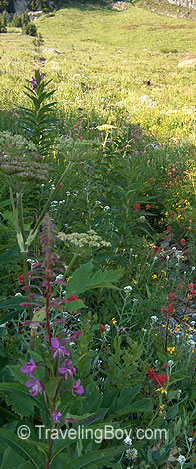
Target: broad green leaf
82, 279
142, 405
23, 447
11, 459
21, 393
100, 457
127, 395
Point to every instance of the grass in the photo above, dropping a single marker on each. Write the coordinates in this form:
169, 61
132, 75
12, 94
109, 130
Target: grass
108, 56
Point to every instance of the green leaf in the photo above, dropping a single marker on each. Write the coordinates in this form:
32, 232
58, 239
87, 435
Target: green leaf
142, 405
22, 447
127, 395
82, 279
8, 256
51, 387
11, 459
12, 303
100, 457
172, 411
20, 398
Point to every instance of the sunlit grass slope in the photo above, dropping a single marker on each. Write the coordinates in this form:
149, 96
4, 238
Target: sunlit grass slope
108, 58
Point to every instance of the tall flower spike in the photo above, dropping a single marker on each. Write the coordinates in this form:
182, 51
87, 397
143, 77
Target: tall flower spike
44, 273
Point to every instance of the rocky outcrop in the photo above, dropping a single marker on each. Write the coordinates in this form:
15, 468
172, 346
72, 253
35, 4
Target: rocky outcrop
184, 3
20, 6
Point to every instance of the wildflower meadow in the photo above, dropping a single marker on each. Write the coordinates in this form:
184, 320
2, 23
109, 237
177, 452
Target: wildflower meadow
97, 240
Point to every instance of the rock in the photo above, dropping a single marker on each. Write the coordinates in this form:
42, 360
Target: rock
120, 6
33, 15
51, 50
20, 6
188, 62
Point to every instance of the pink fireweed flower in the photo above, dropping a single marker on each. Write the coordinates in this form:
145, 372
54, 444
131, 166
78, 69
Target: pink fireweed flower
35, 386
77, 388
29, 367
56, 416
67, 370
59, 350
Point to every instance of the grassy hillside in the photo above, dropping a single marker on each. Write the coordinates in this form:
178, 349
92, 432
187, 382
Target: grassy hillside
107, 58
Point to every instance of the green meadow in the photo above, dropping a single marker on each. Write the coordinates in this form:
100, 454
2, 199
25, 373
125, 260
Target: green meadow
108, 56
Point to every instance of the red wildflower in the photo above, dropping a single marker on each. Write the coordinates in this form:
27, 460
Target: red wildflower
182, 242
72, 298
156, 249
169, 228
171, 296
137, 207
147, 206
159, 379
21, 279
102, 328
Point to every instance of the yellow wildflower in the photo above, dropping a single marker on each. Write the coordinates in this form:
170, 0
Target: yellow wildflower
113, 321
154, 276
162, 390
162, 411
69, 278
171, 349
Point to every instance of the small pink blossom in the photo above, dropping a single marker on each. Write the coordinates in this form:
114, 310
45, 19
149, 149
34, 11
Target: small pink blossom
29, 367
59, 350
56, 416
35, 386
77, 387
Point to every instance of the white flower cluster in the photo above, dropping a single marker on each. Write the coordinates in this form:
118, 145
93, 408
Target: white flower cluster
81, 240
128, 289
107, 328
131, 453
154, 318
181, 459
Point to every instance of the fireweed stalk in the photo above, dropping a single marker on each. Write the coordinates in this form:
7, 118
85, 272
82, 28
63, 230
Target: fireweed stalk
57, 364
24, 172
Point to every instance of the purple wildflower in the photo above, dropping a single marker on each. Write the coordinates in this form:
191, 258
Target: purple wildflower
35, 386
67, 370
59, 350
77, 388
34, 81
56, 416
29, 367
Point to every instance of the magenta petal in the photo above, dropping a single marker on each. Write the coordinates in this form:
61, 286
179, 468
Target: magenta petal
30, 383
54, 343
80, 390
